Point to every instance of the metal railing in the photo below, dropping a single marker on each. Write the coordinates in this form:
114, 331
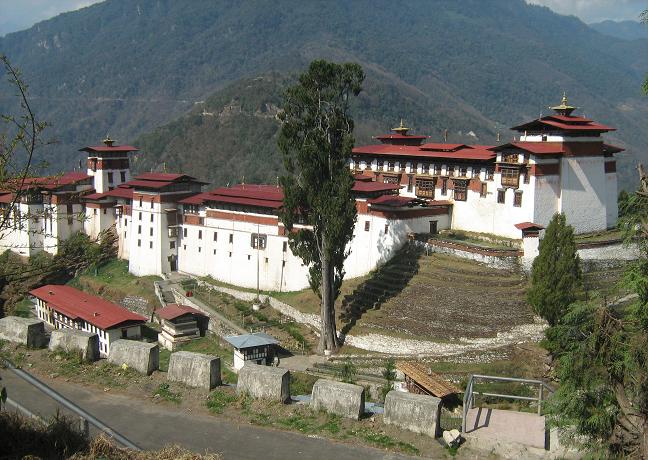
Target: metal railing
469, 394
86, 417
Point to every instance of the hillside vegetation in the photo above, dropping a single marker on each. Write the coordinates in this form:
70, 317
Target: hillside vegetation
124, 68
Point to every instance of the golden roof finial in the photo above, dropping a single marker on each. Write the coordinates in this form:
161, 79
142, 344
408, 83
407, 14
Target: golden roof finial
108, 141
402, 129
564, 108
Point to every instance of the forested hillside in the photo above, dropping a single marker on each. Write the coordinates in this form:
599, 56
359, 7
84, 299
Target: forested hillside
126, 67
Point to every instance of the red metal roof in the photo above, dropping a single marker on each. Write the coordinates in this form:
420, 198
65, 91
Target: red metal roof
199, 198
105, 148
154, 184
395, 201
174, 310
50, 182
538, 148
94, 196
441, 147
528, 226
158, 176
78, 304
120, 192
565, 123
414, 151
6, 197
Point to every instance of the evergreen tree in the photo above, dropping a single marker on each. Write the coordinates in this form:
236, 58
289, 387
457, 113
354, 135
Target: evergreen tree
556, 273
316, 139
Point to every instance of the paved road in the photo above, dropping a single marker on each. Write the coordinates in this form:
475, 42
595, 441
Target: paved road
150, 426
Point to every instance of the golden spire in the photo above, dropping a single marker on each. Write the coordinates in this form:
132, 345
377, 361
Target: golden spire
108, 141
564, 108
402, 129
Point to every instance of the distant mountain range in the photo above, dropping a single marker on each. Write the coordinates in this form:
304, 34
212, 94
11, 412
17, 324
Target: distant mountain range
131, 68
626, 30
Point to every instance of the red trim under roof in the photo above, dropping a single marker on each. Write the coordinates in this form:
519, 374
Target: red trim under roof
105, 148
174, 310
78, 304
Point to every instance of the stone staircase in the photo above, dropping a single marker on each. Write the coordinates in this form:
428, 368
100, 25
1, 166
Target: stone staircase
386, 282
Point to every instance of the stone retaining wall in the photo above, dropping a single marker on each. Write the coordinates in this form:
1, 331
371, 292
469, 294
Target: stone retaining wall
497, 258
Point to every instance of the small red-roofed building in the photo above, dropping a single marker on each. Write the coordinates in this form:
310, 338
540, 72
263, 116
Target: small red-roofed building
64, 307
180, 324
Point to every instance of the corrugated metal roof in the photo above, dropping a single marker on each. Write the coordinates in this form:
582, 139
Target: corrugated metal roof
78, 304
256, 339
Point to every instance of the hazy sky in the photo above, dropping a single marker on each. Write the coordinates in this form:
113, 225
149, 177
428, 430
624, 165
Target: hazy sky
597, 10
21, 14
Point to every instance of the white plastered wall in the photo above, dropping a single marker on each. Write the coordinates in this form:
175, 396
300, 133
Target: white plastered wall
583, 193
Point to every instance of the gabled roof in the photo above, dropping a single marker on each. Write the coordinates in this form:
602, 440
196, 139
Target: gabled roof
123, 191
563, 123
442, 147
78, 304
449, 151
256, 339
369, 187
174, 310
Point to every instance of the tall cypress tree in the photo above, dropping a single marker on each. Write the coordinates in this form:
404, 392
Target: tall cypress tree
316, 139
556, 273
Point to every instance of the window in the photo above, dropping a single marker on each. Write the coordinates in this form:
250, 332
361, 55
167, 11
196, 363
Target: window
184, 247
444, 186
139, 243
510, 177
140, 202
230, 254
510, 157
266, 260
437, 170
124, 235
200, 234
125, 222
122, 176
150, 232
366, 225
425, 187
199, 249
386, 229
527, 175
501, 196
484, 190
215, 236
139, 229
490, 174
451, 170
410, 183
151, 203
105, 210
94, 211
517, 199
476, 172
460, 190
214, 251
152, 217
110, 178
140, 215
184, 232
258, 241
150, 244
463, 172
231, 238
425, 169
390, 166
284, 246
171, 244
390, 179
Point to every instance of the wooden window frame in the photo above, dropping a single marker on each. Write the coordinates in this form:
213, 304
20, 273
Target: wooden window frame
460, 191
510, 177
501, 196
517, 199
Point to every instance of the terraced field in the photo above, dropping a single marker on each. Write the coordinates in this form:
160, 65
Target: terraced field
451, 298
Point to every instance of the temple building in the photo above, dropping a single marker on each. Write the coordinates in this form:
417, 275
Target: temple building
403, 185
